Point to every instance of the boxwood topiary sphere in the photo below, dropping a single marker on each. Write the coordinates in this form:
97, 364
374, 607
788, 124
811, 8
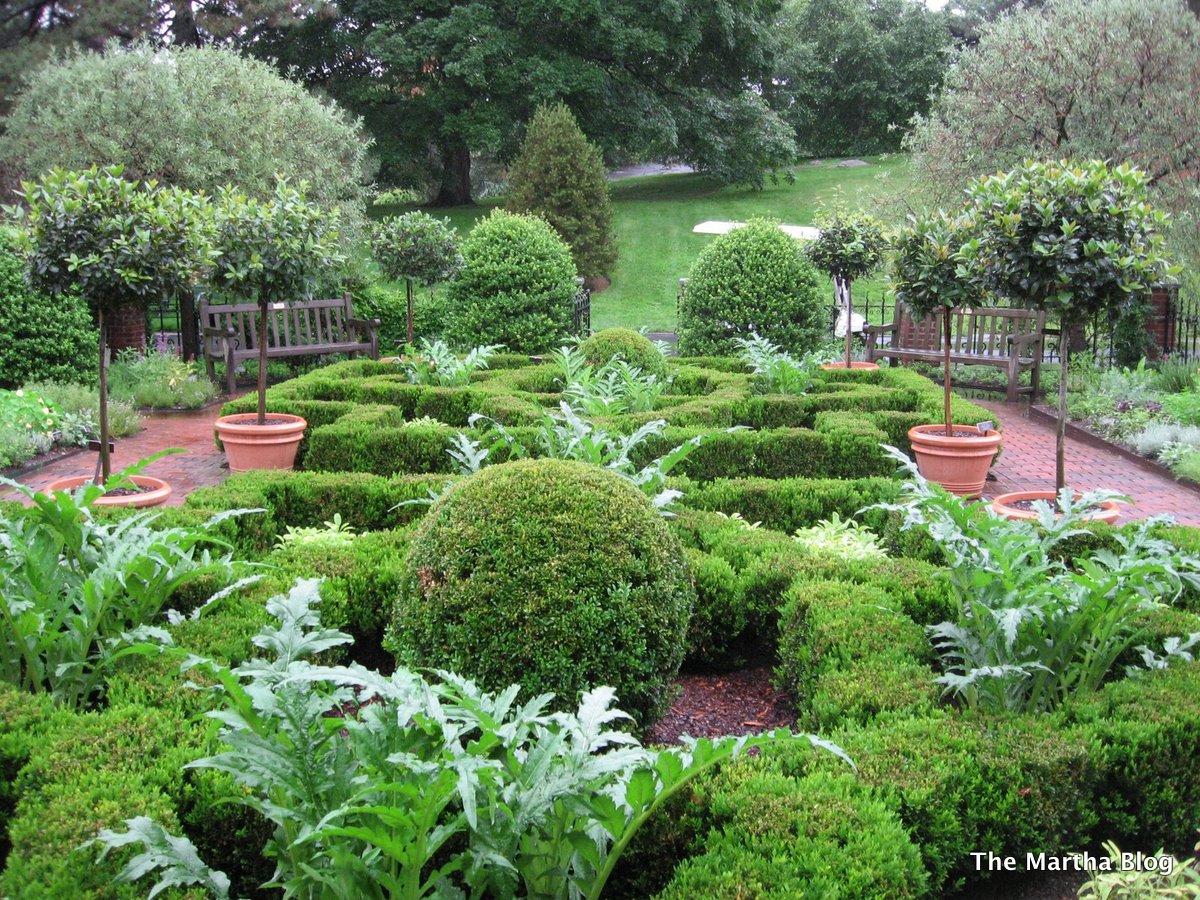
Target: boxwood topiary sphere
753, 280
636, 349
556, 575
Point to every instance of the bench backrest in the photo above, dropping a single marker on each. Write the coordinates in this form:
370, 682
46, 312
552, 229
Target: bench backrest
306, 323
981, 330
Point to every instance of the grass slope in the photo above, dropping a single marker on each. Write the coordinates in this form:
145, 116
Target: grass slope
654, 217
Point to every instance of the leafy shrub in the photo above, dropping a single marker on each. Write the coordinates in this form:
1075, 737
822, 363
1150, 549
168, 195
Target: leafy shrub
560, 176
1174, 376
752, 281
1183, 408
1168, 878
555, 575
43, 336
81, 411
159, 380
1029, 631
388, 305
525, 802
1155, 437
624, 344
516, 288
76, 591
608, 388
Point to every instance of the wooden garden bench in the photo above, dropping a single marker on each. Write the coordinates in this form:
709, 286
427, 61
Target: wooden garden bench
1008, 339
230, 332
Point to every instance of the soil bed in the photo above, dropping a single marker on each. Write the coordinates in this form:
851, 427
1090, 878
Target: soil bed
713, 705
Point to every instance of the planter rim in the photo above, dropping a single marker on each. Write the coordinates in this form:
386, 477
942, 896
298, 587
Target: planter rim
930, 434
161, 490
241, 423
1105, 511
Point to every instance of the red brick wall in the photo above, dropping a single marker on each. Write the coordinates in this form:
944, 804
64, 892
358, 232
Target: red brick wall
127, 327
1160, 323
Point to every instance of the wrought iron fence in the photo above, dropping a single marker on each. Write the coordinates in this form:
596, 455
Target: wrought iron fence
583, 308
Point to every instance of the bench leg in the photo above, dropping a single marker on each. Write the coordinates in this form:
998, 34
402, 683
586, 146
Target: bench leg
1035, 376
230, 374
1014, 380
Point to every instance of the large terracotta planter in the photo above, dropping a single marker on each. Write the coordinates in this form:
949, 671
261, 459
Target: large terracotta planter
1106, 512
158, 493
856, 364
249, 445
959, 464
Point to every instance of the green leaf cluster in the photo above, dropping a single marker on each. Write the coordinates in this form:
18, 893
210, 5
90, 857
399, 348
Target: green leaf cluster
417, 247
850, 246
560, 176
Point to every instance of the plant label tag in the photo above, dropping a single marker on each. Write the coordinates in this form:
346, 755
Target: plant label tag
989, 425
94, 446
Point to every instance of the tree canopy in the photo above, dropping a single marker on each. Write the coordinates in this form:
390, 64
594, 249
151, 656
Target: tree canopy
1103, 79
640, 75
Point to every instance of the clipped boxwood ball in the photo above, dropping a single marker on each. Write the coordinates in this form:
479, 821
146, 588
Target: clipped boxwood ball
556, 575
636, 349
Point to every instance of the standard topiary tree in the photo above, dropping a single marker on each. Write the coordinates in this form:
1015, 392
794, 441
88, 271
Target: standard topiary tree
560, 176
931, 275
116, 242
1074, 239
516, 287
43, 336
418, 248
556, 575
753, 280
624, 343
851, 245
273, 251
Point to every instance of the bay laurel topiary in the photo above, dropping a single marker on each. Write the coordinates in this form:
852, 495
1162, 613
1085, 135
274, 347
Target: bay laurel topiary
560, 176
553, 574
753, 280
43, 337
516, 287
624, 343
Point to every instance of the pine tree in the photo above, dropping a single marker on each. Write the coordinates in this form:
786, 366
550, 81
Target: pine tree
560, 176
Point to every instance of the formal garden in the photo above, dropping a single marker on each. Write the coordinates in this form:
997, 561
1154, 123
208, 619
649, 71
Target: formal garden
431, 631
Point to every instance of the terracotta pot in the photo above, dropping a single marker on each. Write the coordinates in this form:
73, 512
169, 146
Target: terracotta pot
249, 445
959, 464
158, 493
856, 364
1106, 512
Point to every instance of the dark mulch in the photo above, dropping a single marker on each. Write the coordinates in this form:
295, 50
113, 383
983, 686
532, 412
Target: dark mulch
713, 705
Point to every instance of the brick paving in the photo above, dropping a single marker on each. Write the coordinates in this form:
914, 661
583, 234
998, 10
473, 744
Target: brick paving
203, 464
1027, 464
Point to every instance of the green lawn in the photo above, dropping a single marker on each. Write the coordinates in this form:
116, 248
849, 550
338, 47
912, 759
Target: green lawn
654, 217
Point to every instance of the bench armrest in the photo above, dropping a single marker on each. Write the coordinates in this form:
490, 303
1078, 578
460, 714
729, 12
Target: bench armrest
1020, 341
364, 324
227, 332
881, 329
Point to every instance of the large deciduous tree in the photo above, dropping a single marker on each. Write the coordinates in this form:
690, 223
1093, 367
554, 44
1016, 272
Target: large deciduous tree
1105, 79
640, 75
850, 71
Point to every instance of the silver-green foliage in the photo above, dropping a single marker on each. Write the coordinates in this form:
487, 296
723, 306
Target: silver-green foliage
1031, 629
74, 592
775, 370
437, 364
370, 779
838, 538
611, 389
197, 118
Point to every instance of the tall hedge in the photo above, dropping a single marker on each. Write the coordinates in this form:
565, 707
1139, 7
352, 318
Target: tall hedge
43, 337
516, 287
753, 280
560, 176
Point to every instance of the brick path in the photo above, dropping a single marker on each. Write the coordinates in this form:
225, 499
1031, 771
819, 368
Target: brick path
203, 464
1027, 463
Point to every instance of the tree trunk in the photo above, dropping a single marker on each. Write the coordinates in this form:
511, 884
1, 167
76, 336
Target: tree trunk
105, 459
849, 322
184, 32
455, 189
262, 359
946, 370
409, 288
1060, 437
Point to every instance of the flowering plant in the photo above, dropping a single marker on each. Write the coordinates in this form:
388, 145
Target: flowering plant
28, 412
